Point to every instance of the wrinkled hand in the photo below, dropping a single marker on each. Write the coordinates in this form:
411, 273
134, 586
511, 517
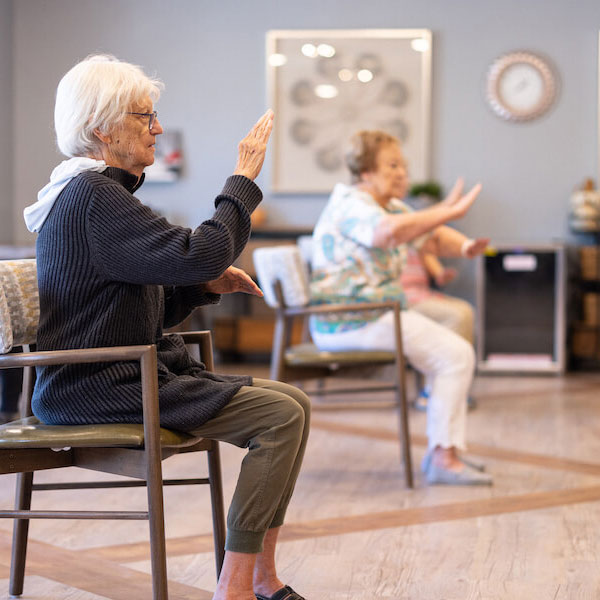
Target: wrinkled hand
252, 149
231, 281
457, 203
445, 276
475, 247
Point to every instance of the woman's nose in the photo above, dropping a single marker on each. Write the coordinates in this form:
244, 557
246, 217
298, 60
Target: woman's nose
156, 127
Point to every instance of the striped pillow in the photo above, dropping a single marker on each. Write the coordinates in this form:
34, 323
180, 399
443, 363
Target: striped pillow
19, 303
284, 264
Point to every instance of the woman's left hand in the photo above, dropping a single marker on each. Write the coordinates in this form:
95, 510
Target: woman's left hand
473, 248
231, 281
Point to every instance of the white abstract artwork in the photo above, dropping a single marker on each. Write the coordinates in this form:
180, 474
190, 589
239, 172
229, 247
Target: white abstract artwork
324, 85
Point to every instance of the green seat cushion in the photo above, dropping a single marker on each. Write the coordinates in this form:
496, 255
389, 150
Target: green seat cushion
309, 354
30, 433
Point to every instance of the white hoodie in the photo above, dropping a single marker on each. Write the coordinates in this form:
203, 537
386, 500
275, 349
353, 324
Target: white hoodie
35, 215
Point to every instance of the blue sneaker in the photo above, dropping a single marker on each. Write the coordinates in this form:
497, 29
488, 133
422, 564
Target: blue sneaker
466, 476
469, 461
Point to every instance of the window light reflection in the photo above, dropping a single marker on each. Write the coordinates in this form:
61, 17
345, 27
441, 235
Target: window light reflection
277, 60
420, 44
364, 75
309, 50
326, 90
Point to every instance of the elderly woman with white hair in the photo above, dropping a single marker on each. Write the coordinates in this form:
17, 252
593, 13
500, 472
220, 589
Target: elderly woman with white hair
111, 272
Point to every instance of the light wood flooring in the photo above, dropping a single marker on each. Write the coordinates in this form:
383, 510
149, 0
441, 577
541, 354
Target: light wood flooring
353, 530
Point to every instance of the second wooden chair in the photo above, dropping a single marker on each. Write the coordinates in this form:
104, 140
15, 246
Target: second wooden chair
283, 277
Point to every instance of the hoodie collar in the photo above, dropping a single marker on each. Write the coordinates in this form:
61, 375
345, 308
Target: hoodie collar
36, 214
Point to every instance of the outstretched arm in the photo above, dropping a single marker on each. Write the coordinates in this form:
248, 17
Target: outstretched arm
446, 241
401, 228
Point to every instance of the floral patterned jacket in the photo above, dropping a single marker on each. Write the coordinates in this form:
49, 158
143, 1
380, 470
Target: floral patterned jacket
346, 267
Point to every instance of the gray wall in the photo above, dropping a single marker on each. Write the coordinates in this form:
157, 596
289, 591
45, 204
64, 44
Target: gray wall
6, 121
210, 55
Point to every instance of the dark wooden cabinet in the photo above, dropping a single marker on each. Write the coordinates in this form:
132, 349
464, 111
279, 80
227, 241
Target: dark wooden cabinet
584, 338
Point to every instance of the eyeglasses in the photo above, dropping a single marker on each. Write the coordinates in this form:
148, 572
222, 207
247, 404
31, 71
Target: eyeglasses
152, 116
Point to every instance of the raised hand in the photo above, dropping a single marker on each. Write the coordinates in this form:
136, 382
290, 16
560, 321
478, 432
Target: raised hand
231, 281
252, 149
457, 203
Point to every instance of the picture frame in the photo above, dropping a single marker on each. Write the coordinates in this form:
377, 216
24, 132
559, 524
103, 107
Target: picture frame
324, 85
168, 158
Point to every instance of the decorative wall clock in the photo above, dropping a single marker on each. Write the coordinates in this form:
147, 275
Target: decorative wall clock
520, 86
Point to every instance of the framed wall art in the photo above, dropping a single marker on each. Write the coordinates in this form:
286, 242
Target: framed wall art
324, 85
168, 158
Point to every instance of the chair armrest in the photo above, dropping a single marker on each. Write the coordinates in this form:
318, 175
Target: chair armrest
194, 337
83, 355
204, 341
336, 308
145, 354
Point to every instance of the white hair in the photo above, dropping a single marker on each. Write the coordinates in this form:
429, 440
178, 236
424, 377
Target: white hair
96, 94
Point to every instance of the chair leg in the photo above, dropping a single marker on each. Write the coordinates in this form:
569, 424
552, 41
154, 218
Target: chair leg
158, 550
404, 432
403, 429
20, 531
216, 499
401, 400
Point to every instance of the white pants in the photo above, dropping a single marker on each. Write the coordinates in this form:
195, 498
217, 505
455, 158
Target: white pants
444, 357
454, 313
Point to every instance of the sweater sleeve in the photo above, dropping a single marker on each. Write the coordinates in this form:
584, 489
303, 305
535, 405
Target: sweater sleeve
132, 244
181, 300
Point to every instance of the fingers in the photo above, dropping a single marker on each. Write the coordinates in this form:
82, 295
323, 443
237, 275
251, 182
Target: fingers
258, 124
244, 282
464, 203
476, 247
481, 244
252, 149
262, 128
264, 131
456, 191
254, 290
474, 191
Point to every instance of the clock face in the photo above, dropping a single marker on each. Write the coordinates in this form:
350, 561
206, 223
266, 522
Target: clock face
520, 86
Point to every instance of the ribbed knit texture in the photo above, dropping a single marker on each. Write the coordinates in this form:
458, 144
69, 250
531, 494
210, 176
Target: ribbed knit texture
111, 272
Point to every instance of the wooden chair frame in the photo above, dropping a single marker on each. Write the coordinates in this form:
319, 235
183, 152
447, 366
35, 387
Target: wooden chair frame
140, 460
282, 370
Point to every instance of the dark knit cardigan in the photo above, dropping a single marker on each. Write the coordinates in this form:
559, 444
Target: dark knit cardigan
111, 272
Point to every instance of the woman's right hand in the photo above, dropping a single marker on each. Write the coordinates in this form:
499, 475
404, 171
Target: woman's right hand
252, 149
457, 203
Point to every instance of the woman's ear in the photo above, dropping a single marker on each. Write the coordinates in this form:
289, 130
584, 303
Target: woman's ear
365, 177
103, 137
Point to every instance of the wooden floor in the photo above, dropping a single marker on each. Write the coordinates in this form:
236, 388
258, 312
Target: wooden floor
354, 531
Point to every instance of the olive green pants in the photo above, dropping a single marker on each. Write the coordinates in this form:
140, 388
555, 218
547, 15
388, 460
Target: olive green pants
272, 420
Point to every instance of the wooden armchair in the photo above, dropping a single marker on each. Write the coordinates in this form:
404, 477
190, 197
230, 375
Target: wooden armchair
135, 451
283, 277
